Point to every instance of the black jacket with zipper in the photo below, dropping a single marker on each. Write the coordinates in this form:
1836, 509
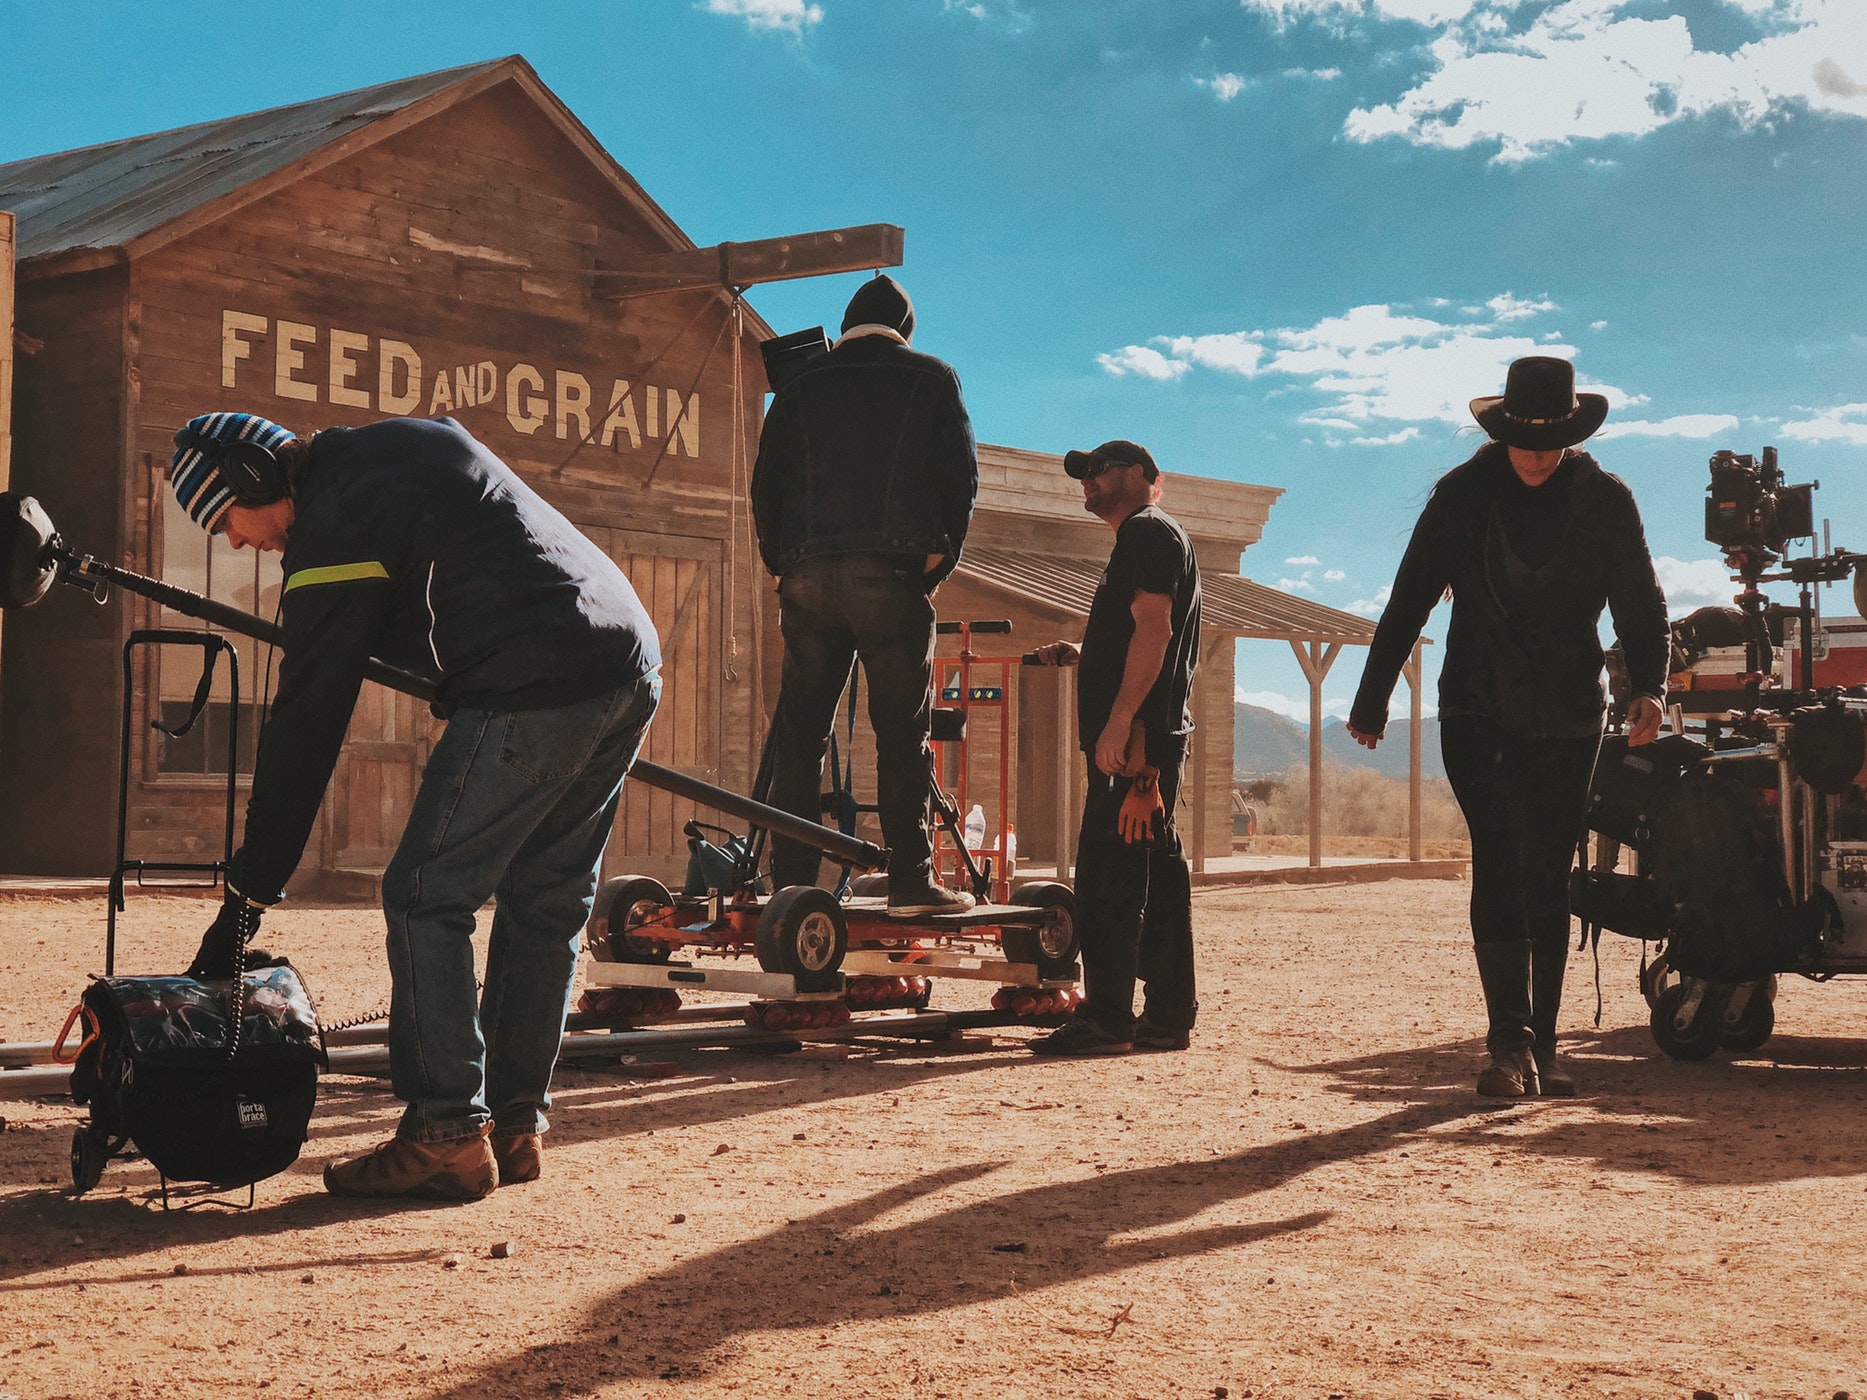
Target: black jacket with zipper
868, 449
1523, 648
412, 543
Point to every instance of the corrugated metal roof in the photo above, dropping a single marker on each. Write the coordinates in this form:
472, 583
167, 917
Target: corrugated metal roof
106, 196
1230, 602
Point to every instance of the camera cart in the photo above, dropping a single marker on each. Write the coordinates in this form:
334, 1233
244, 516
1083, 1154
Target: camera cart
1746, 826
820, 956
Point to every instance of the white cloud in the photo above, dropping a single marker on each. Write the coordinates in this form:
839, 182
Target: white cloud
1694, 583
1296, 585
1277, 704
1683, 425
1302, 561
1597, 325
1375, 606
1390, 440
1511, 308
1239, 352
793, 15
1321, 75
1226, 86
1844, 423
1139, 359
1586, 69
1333, 576
1420, 11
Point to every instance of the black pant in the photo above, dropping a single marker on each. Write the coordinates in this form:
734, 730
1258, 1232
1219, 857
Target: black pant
1525, 800
1134, 907
834, 608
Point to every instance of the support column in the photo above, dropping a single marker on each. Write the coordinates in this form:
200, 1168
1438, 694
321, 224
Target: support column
1315, 659
1196, 760
1412, 672
1066, 771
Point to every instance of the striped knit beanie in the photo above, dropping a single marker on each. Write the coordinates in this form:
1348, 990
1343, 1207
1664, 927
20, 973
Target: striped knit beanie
197, 479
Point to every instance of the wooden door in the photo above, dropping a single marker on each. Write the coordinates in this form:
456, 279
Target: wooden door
678, 579
373, 788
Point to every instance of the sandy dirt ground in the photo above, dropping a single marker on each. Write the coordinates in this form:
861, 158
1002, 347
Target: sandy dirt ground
1309, 1203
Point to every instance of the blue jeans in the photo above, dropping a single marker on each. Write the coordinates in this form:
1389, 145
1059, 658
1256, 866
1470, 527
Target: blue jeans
514, 806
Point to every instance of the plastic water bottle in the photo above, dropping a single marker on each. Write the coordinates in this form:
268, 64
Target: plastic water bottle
975, 828
1011, 851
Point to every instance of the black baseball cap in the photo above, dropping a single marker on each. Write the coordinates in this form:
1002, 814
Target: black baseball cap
1118, 452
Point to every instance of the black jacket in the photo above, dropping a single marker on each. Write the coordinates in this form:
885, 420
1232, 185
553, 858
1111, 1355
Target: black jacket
414, 544
1523, 647
868, 449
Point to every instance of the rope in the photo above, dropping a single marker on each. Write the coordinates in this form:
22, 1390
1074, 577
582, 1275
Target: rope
596, 421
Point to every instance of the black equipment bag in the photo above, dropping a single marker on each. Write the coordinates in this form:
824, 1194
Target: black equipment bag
157, 1069
1631, 785
1719, 882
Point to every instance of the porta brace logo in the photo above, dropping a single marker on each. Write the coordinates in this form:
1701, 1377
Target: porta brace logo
252, 1115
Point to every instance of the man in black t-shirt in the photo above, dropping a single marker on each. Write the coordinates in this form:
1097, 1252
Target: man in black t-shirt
1139, 651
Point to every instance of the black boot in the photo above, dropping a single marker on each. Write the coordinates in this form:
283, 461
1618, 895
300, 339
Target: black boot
1504, 972
1547, 965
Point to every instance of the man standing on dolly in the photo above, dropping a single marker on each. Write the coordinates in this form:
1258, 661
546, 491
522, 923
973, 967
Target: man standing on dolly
862, 493
1533, 539
408, 541
1140, 648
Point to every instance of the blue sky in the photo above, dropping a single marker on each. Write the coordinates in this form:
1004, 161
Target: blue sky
1279, 241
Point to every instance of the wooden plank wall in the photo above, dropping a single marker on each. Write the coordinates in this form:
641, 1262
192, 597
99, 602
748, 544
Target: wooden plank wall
60, 691
446, 271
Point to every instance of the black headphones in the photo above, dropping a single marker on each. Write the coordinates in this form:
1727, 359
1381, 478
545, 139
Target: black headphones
252, 472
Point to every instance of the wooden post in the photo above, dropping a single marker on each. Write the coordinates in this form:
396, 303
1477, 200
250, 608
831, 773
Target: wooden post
1412, 672
1315, 660
7, 228
1066, 770
1196, 758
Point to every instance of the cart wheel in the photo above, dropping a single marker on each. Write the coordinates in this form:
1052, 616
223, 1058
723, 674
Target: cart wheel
622, 907
1704, 1035
1653, 980
1755, 1022
1054, 946
87, 1161
801, 931
874, 883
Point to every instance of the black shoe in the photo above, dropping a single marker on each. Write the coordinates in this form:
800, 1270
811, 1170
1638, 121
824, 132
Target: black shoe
1081, 1036
1149, 1036
918, 901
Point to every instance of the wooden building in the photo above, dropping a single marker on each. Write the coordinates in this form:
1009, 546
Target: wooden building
458, 243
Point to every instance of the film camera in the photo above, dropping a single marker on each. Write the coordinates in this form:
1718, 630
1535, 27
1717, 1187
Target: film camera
1750, 512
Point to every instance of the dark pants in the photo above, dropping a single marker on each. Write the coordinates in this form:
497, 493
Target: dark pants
834, 608
1525, 800
1134, 908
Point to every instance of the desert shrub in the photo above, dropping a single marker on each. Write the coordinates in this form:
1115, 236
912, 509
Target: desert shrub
1359, 802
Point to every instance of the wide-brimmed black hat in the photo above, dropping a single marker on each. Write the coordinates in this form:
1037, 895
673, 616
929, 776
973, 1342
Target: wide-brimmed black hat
1116, 453
1539, 409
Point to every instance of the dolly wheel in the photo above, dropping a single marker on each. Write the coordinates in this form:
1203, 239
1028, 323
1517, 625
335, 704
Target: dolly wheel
1755, 1023
1053, 947
622, 907
801, 931
1697, 1041
87, 1161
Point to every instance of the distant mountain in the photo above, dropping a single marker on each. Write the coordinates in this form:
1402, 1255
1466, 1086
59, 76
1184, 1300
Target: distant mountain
1265, 743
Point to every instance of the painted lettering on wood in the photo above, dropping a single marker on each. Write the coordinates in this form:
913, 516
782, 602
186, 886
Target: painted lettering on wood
309, 363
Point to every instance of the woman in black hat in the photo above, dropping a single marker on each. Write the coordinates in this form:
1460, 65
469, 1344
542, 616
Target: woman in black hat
1532, 539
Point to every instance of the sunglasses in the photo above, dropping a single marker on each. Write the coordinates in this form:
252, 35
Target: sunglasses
1096, 469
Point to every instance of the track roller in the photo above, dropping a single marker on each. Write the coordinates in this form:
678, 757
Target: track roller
1035, 1002
642, 1005
886, 993
797, 1015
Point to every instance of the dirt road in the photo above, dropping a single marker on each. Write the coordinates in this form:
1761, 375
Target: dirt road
1309, 1203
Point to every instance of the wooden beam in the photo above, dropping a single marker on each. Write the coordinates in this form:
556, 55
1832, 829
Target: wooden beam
1412, 671
856, 249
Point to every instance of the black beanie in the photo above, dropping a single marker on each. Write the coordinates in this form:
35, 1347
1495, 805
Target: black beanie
881, 301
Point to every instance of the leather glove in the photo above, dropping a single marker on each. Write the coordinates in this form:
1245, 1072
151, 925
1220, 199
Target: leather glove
227, 938
1143, 817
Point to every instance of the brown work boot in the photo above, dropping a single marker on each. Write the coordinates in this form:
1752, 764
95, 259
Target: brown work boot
520, 1157
461, 1170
